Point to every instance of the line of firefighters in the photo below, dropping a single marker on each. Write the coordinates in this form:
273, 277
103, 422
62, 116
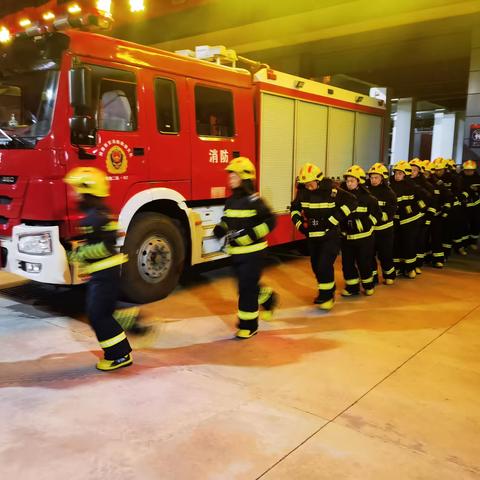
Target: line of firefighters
418, 215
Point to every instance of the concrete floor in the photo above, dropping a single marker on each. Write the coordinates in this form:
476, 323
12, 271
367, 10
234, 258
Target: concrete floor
381, 388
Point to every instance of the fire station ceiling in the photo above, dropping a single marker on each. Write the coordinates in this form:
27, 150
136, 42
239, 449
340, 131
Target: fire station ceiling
419, 48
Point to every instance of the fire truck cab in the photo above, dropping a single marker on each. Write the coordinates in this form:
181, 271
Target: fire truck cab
163, 126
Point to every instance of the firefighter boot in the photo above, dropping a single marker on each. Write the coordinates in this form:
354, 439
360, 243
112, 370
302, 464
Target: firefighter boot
389, 281
269, 307
247, 328
243, 333
418, 270
369, 292
411, 274
108, 365
325, 304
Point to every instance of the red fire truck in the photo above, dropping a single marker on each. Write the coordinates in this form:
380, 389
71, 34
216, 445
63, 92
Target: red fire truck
163, 126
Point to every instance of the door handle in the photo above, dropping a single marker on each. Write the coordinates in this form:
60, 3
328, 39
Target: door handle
138, 151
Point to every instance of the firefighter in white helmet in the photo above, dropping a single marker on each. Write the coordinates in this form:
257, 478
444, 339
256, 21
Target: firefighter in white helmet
377, 185
246, 222
99, 261
317, 211
358, 235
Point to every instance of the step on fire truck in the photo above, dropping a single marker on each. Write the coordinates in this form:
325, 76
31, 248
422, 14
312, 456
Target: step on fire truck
163, 126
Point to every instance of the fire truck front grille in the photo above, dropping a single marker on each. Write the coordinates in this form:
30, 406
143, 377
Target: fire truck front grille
5, 200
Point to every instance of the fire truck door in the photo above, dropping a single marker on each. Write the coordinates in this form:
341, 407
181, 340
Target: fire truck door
222, 128
168, 130
121, 149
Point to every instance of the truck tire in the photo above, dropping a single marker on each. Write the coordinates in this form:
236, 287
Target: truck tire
156, 253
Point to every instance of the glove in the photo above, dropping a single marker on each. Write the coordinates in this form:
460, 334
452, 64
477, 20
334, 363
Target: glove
303, 230
218, 231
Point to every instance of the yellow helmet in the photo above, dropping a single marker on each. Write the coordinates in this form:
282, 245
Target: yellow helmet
428, 167
380, 169
243, 167
357, 172
89, 180
417, 162
451, 163
470, 165
403, 166
425, 164
309, 172
439, 163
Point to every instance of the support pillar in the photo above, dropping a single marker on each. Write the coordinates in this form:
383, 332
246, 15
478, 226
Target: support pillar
471, 144
443, 135
403, 130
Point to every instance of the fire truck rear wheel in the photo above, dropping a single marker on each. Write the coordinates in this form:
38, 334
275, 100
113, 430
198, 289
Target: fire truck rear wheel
156, 253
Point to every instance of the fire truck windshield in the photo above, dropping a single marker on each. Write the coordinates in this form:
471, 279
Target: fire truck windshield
27, 101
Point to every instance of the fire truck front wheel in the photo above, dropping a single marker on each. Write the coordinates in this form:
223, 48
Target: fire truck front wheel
156, 253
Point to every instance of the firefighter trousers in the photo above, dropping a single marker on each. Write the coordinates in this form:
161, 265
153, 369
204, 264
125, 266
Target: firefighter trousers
357, 263
421, 243
436, 236
323, 252
473, 224
405, 245
248, 270
383, 251
459, 226
102, 294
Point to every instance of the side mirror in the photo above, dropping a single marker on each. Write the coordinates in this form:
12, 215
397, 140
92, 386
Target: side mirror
83, 130
81, 89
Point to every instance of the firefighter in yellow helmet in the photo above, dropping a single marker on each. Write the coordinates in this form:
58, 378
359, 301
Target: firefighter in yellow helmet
427, 189
443, 205
454, 228
245, 224
98, 259
377, 185
358, 242
411, 206
317, 211
471, 186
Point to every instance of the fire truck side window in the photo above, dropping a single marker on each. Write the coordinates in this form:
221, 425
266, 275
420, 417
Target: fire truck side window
214, 112
167, 106
115, 93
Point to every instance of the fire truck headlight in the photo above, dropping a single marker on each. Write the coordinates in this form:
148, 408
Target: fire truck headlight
39, 244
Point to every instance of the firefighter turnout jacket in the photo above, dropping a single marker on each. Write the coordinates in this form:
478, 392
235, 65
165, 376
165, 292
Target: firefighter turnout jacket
99, 234
411, 201
245, 223
365, 216
322, 209
387, 201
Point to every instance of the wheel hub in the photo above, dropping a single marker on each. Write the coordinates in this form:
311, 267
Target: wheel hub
154, 259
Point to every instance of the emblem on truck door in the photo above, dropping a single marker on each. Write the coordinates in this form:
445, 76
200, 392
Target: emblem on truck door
116, 154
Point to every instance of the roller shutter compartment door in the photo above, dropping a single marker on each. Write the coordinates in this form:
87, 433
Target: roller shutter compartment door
368, 133
341, 125
311, 135
276, 151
